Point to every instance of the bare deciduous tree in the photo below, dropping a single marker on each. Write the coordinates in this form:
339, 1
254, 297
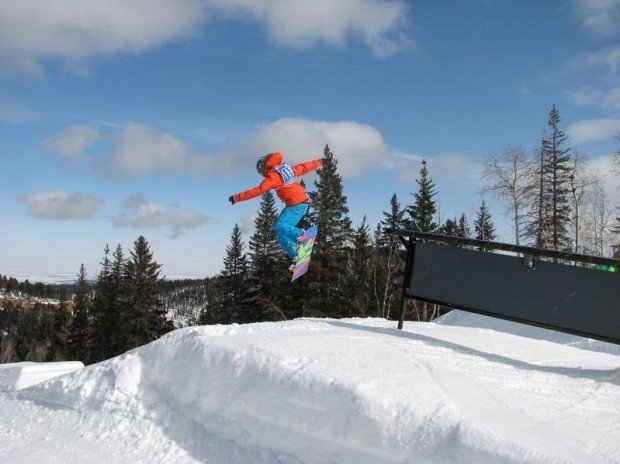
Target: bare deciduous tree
616, 248
579, 182
386, 268
508, 177
597, 226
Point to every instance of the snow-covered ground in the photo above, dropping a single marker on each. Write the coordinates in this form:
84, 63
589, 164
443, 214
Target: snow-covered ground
329, 391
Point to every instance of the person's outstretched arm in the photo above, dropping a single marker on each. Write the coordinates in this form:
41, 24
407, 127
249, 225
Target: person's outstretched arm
269, 182
304, 168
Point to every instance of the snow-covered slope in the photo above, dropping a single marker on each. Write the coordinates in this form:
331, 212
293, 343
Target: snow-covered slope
326, 391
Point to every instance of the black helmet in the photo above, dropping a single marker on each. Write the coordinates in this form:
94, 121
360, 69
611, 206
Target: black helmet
260, 165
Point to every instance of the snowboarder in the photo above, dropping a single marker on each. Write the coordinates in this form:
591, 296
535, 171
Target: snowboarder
284, 178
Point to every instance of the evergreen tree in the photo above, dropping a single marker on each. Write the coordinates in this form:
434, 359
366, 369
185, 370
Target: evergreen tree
109, 302
557, 171
463, 227
33, 332
392, 219
421, 217
485, 230
79, 336
326, 278
359, 271
422, 212
387, 262
143, 318
537, 228
551, 211
450, 228
213, 312
59, 335
101, 321
267, 267
117, 302
233, 281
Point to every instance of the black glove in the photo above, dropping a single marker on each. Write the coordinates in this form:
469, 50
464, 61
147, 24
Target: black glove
231, 199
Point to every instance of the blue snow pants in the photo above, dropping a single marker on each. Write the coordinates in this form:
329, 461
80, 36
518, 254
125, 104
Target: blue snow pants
286, 228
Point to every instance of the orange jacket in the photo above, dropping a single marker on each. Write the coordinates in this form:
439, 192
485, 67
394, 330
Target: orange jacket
291, 194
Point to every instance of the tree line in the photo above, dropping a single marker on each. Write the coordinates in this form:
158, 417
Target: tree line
120, 311
553, 198
10, 285
355, 271
553, 201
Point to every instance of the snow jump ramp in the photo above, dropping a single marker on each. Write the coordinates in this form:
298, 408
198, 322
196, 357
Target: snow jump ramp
321, 391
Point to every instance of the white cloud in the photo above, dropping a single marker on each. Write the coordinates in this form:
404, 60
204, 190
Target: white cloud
74, 29
72, 142
591, 130
358, 147
599, 16
59, 205
37, 30
142, 214
301, 23
140, 149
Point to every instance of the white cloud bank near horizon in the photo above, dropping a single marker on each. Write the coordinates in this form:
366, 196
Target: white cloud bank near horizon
33, 32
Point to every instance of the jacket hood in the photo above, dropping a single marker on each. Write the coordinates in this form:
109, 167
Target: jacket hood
273, 160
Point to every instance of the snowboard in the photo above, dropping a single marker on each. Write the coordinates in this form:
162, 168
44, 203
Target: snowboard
304, 250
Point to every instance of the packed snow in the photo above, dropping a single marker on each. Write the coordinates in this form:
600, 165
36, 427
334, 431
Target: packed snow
16, 376
329, 391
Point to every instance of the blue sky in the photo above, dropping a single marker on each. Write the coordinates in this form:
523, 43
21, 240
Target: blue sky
126, 118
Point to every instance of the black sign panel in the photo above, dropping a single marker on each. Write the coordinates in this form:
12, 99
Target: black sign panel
568, 298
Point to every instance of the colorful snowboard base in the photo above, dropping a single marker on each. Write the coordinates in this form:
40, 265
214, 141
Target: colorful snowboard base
303, 253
